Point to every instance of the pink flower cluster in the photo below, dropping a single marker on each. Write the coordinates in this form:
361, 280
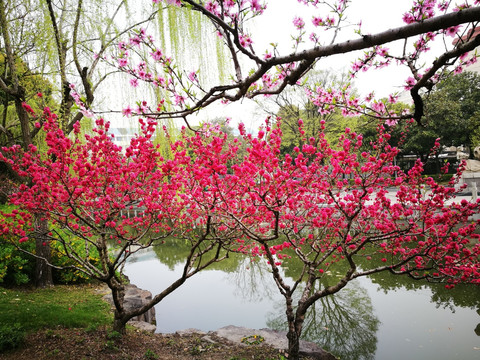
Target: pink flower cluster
332, 201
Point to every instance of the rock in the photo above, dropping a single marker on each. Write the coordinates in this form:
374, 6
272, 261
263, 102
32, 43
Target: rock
208, 339
276, 339
143, 326
190, 332
134, 299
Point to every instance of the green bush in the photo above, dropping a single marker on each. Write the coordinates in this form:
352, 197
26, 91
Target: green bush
11, 337
59, 258
16, 267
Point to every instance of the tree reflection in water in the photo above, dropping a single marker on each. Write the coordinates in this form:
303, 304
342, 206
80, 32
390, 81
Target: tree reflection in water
344, 324
462, 296
253, 281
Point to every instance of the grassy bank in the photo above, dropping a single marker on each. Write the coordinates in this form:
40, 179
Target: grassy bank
73, 322
66, 306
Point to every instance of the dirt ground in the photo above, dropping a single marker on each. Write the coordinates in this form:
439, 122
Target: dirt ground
72, 344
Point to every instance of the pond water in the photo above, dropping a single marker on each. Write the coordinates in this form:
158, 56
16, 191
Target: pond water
381, 317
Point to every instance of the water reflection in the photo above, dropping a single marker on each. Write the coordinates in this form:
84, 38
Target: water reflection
381, 317
253, 282
343, 324
463, 296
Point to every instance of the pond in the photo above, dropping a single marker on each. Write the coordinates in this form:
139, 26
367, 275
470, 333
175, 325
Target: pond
380, 317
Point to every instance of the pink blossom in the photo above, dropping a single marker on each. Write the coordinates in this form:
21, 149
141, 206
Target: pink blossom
127, 111
256, 7
174, 2
298, 23
193, 76
452, 31
179, 100
245, 40
408, 18
122, 46
134, 82
317, 21
458, 70
410, 83
391, 122
157, 55
122, 62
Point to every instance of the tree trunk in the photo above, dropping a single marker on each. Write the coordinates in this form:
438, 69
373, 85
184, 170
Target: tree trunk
43, 272
118, 297
295, 324
119, 323
293, 345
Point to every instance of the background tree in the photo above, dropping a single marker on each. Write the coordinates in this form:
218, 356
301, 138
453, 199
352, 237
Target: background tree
451, 110
294, 104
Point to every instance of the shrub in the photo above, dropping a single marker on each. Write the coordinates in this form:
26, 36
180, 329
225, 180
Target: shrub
16, 267
11, 336
59, 258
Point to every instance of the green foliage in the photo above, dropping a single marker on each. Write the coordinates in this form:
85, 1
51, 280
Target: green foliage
70, 274
253, 340
451, 110
114, 335
294, 105
11, 336
150, 355
16, 267
49, 308
33, 85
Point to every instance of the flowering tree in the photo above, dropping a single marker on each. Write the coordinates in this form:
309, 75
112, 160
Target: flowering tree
329, 203
427, 23
55, 41
323, 205
104, 205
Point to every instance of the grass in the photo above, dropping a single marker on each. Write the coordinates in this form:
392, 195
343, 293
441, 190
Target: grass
73, 322
66, 306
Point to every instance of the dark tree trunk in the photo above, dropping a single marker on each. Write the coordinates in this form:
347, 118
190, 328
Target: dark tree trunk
43, 272
295, 325
293, 345
119, 323
118, 296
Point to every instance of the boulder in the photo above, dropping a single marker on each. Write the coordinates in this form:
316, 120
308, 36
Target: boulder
134, 299
143, 326
276, 339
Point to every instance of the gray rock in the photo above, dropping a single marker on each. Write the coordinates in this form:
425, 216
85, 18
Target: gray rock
143, 326
190, 332
134, 299
276, 339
